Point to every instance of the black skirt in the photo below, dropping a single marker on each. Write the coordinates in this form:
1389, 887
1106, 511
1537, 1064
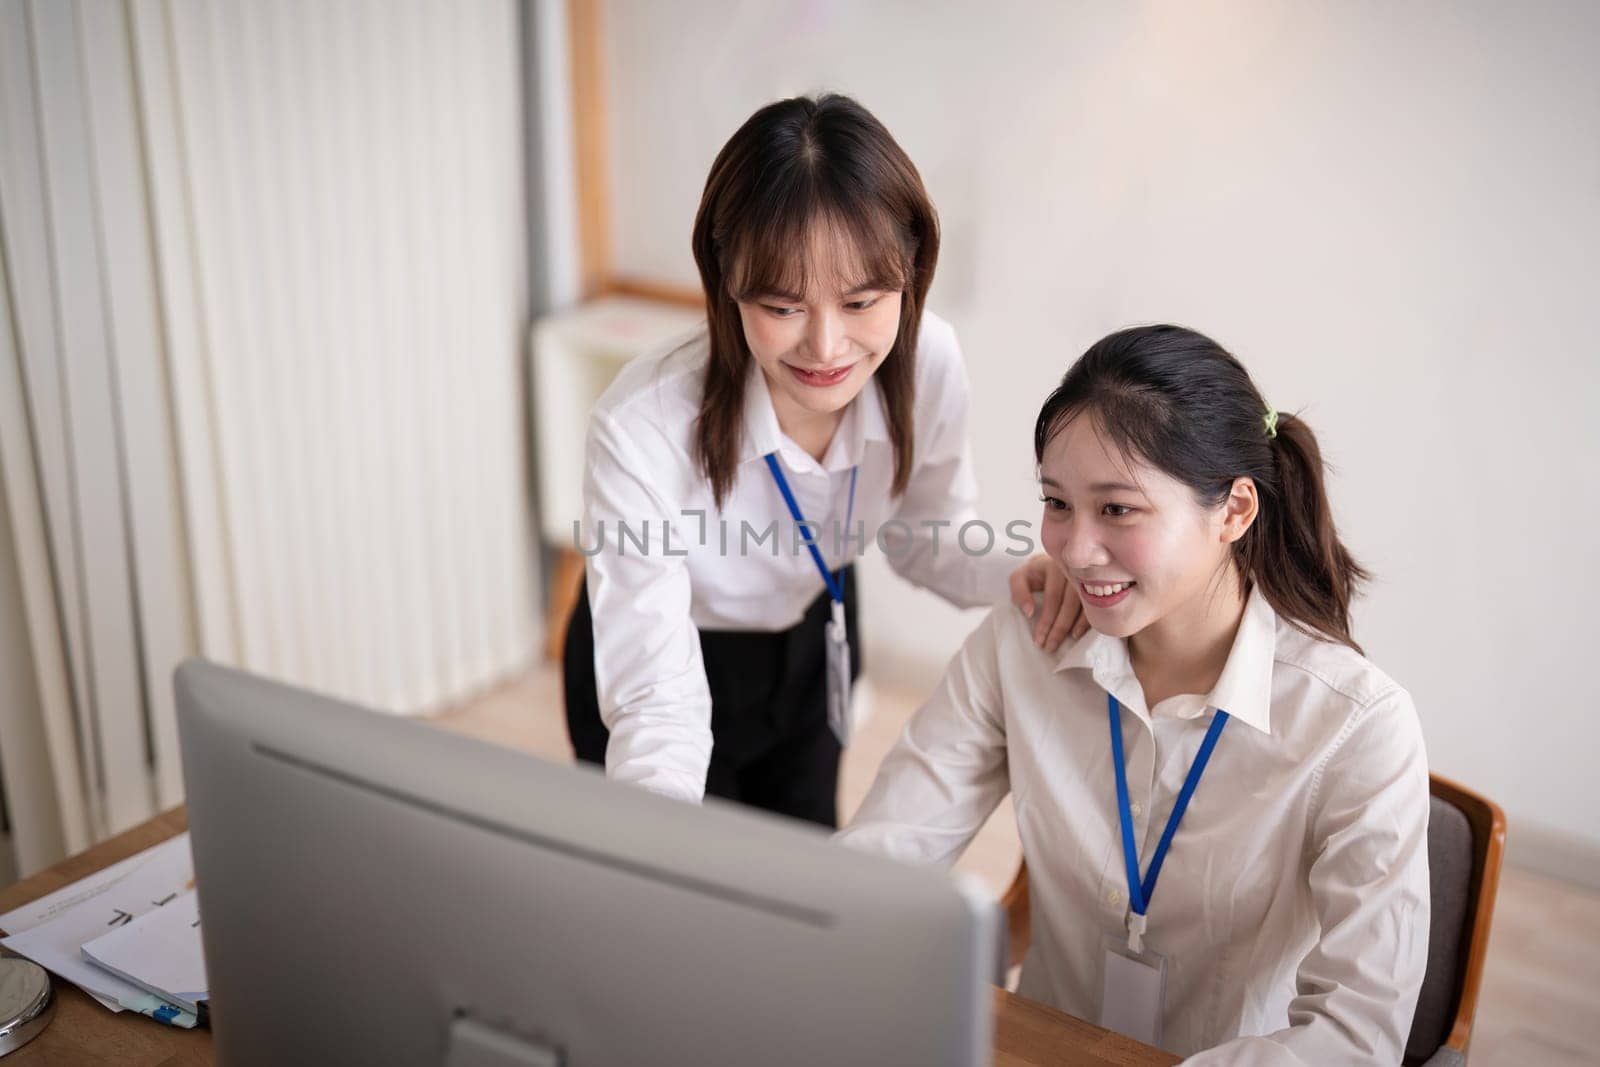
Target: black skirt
771, 744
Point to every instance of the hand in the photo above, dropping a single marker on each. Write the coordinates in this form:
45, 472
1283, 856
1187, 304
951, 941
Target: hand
1061, 613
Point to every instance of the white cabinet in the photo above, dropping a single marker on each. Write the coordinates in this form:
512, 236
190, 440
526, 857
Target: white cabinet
576, 354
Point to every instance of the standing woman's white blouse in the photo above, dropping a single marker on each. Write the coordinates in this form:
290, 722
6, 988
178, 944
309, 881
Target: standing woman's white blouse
1294, 901
648, 605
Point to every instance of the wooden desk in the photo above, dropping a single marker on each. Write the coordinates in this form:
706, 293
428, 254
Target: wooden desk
83, 1034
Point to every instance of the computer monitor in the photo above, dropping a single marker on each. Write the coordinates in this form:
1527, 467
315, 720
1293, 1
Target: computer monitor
378, 891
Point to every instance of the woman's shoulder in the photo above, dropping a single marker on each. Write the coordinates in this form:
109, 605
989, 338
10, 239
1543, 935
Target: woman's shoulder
1345, 681
937, 347
1004, 638
662, 387
941, 368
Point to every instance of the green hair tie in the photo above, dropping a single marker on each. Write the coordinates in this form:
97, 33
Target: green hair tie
1271, 420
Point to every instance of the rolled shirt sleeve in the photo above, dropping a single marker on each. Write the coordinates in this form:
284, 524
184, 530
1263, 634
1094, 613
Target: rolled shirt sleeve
947, 773
650, 678
942, 496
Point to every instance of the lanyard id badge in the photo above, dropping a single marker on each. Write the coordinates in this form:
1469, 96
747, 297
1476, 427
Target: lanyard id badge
1134, 990
836, 642
841, 711
1133, 994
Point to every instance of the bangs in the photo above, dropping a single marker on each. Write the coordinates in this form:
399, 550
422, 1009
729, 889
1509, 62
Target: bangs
1128, 420
799, 237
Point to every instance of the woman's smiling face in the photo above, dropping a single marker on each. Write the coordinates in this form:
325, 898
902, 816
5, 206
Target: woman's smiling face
819, 348
1135, 542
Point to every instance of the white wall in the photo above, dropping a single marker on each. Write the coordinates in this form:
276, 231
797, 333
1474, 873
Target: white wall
1389, 212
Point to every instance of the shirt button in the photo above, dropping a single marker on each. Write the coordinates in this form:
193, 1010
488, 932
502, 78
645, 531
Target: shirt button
1138, 808
1114, 897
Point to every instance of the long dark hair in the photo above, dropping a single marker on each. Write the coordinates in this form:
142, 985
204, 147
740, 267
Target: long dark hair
794, 166
1178, 401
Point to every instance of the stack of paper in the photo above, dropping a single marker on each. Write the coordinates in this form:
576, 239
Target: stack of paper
159, 952
53, 930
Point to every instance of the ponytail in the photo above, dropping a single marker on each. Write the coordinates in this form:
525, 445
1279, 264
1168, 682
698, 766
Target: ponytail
1183, 404
1292, 552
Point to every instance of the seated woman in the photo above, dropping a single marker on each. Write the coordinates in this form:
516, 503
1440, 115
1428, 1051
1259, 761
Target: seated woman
1219, 728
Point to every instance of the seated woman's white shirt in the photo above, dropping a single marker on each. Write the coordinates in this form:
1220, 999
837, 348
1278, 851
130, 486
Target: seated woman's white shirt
1293, 904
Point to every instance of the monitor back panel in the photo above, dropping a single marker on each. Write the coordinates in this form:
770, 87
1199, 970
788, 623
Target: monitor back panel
365, 880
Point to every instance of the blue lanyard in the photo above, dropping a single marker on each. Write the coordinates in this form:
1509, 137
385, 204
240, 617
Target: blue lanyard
1139, 894
835, 590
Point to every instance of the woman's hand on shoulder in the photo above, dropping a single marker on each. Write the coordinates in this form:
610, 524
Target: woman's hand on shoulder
1059, 615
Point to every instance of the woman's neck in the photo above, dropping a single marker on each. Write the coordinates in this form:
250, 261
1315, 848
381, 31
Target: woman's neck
812, 431
1186, 651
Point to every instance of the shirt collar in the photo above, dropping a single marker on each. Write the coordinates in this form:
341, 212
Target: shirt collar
864, 421
1244, 689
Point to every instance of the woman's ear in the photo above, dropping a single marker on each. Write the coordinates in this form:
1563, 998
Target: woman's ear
1240, 509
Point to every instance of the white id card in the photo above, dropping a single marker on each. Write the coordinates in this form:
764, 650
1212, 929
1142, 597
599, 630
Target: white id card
1134, 993
841, 719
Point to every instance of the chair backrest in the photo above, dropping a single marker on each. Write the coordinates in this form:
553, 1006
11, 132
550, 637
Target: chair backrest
1450, 870
1466, 842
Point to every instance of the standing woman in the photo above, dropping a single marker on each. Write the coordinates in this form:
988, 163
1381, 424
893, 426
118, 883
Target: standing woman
820, 390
